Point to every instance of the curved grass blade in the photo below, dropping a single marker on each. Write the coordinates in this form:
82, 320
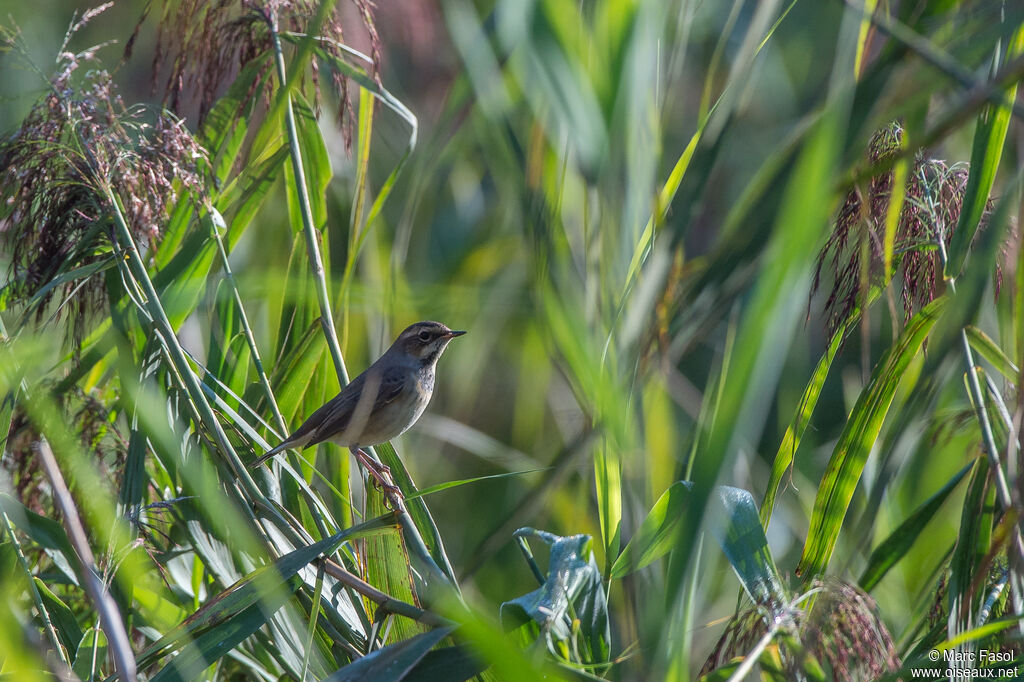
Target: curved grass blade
418, 510
46, 533
316, 164
972, 545
795, 431
63, 618
389, 569
856, 441
247, 605
736, 525
989, 137
895, 547
295, 371
988, 349
455, 484
393, 662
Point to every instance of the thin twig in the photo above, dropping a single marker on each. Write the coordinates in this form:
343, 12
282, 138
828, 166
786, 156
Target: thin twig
385, 601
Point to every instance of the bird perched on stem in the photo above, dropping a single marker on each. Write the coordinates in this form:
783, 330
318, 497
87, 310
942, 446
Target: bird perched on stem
381, 403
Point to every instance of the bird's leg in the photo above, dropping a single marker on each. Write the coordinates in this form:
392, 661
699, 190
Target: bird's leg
380, 473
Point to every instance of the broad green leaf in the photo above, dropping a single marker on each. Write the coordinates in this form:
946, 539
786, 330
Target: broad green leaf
156, 609
294, 372
134, 478
246, 194
856, 441
389, 569
394, 662
64, 621
239, 359
224, 127
769, 322
91, 654
734, 522
972, 545
222, 637
174, 231
46, 533
899, 542
737, 527
657, 533
182, 283
417, 508
316, 165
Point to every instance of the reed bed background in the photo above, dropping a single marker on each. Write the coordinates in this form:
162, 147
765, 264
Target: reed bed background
739, 396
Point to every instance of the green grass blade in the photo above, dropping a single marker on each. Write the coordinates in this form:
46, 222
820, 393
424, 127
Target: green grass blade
990, 350
393, 662
795, 431
418, 510
46, 533
899, 542
989, 137
423, 492
63, 618
254, 598
856, 441
657, 533
295, 371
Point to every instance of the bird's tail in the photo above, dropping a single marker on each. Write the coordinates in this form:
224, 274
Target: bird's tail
270, 453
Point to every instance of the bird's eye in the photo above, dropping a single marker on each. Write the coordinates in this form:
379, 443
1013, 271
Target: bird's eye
424, 336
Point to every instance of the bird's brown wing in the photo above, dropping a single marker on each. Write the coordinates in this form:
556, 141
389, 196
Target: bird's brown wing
334, 416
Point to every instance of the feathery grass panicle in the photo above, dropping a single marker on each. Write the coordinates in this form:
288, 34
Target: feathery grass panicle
77, 139
933, 198
201, 47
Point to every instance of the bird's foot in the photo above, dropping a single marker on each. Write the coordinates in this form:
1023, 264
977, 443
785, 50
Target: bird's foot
381, 475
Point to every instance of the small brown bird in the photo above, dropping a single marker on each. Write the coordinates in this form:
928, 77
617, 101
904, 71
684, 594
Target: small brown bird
382, 402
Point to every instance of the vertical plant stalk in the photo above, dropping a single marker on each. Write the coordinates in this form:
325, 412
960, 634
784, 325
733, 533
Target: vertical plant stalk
44, 615
988, 437
216, 222
315, 613
978, 397
110, 617
317, 268
316, 263
246, 328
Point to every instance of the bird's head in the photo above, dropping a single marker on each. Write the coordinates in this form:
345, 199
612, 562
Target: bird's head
425, 341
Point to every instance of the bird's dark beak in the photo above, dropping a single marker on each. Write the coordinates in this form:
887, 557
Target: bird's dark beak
452, 334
